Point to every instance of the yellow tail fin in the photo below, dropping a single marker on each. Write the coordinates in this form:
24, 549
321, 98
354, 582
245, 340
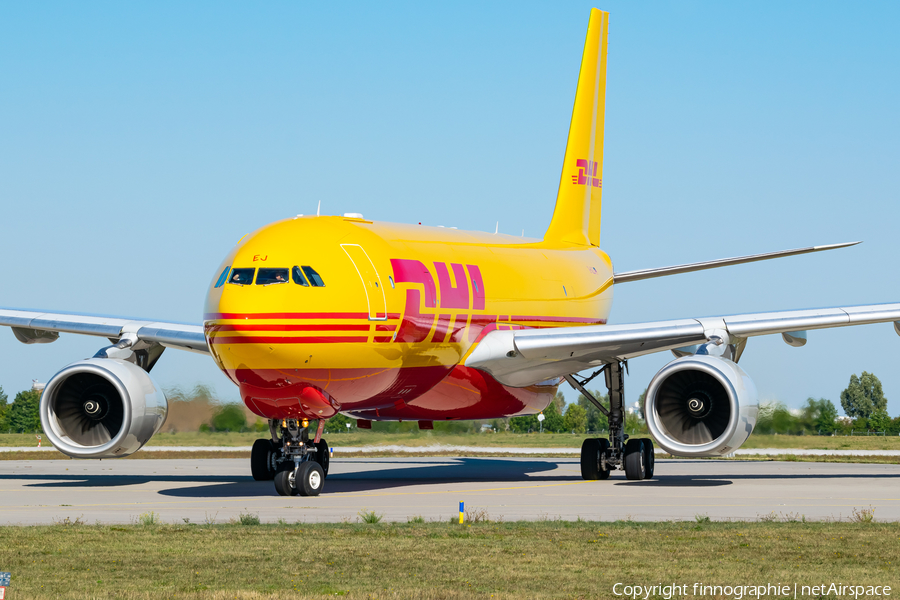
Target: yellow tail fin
576, 218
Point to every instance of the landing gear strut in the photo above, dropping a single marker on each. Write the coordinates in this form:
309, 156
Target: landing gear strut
297, 465
599, 456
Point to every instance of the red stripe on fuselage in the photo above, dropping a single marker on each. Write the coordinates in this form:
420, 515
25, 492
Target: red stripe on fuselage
362, 316
586, 321
283, 327
256, 339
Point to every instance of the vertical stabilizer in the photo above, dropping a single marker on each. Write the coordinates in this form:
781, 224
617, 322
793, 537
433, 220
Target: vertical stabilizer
576, 218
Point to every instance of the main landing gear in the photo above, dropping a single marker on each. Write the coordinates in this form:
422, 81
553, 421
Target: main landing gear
297, 465
599, 456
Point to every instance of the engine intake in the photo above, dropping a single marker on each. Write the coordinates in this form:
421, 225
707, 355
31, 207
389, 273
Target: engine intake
701, 406
102, 408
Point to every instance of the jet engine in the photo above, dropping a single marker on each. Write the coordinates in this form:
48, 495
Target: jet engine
102, 408
701, 406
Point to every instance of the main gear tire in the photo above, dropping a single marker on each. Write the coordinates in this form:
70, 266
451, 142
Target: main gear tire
593, 451
590, 459
649, 458
634, 459
262, 463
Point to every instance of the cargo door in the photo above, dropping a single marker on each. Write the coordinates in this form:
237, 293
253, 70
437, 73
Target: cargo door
370, 280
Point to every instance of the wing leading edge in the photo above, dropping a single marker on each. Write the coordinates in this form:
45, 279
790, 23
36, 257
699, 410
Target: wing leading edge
626, 276
33, 327
525, 357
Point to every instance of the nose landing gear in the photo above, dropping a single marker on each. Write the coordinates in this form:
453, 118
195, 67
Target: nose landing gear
297, 465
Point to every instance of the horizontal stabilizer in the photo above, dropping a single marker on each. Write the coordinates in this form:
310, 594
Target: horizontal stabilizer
722, 262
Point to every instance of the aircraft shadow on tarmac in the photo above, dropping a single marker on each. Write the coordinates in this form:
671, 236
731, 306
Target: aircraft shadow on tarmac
678, 481
406, 474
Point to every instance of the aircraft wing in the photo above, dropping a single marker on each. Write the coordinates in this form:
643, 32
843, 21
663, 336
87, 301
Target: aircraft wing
33, 327
524, 357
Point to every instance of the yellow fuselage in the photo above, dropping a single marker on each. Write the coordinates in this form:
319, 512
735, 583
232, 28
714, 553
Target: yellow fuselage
400, 308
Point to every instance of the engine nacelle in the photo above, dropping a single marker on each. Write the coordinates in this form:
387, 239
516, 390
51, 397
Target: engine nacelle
102, 408
701, 406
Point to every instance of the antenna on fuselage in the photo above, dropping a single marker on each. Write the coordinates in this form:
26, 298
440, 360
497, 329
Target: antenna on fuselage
497, 228
319, 208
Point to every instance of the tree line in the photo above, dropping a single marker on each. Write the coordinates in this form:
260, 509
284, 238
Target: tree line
22, 415
578, 417
863, 402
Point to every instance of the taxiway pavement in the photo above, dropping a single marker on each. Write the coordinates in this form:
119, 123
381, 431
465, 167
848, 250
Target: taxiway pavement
439, 448
514, 488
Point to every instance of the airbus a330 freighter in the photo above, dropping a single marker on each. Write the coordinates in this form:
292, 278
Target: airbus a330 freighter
311, 316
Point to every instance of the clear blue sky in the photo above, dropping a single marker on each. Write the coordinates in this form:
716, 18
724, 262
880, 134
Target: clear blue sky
140, 141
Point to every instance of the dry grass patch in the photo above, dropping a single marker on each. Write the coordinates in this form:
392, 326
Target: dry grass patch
824, 442
434, 560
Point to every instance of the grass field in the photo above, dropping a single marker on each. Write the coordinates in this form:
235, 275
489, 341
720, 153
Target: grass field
489, 440
437, 560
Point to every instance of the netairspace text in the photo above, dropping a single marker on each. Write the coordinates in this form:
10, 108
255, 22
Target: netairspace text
738, 592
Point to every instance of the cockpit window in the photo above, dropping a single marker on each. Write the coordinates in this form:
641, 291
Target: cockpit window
241, 276
221, 280
313, 277
271, 276
297, 275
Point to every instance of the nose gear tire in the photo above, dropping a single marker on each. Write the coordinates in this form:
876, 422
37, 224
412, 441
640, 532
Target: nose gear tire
283, 483
310, 478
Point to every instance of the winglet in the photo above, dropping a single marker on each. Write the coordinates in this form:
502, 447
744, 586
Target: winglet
576, 218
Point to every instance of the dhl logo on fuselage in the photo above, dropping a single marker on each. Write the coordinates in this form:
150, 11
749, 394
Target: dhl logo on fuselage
587, 173
416, 325
444, 310
446, 295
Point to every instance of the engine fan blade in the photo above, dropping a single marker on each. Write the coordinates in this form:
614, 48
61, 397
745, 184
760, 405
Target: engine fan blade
96, 435
700, 434
70, 414
114, 417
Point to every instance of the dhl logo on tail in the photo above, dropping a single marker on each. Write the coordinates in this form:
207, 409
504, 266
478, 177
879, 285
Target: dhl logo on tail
587, 173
